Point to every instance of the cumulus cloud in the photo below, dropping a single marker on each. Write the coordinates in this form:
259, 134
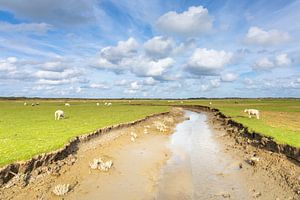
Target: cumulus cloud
262, 37
154, 68
228, 77
190, 23
149, 81
280, 60
208, 61
159, 47
134, 85
8, 64
125, 57
114, 54
38, 28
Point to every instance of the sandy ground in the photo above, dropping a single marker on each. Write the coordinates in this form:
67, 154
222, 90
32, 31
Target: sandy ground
139, 169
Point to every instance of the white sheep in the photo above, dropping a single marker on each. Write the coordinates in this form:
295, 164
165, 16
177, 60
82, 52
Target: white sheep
25, 104
59, 114
67, 104
210, 103
105, 103
109, 104
97, 104
252, 112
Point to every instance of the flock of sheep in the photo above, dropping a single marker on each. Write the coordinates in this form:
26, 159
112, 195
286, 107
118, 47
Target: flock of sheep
59, 114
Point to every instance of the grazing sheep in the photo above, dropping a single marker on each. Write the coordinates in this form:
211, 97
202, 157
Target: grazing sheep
210, 103
252, 112
37, 103
59, 114
33, 104
97, 104
67, 104
105, 103
25, 104
109, 104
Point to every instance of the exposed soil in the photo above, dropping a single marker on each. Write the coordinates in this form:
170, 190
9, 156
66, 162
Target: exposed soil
148, 168
272, 174
136, 165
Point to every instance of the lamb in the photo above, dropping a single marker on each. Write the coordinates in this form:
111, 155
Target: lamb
252, 112
59, 114
67, 104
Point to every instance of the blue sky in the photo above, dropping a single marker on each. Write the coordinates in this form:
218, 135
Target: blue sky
166, 49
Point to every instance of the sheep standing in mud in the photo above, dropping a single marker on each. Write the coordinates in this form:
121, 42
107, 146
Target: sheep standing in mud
252, 112
59, 114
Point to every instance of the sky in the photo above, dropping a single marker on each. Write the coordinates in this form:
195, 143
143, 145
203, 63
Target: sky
150, 49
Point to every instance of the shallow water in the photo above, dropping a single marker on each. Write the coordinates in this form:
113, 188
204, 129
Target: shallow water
198, 169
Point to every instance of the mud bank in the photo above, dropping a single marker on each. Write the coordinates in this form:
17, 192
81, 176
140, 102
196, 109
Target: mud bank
253, 153
236, 129
23, 169
148, 149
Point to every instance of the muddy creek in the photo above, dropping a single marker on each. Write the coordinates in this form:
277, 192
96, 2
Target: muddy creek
197, 168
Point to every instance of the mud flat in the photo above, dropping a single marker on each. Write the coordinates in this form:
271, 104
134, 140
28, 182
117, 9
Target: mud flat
200, 160
135, 170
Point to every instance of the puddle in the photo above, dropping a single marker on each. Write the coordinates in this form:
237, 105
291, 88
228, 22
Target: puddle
198, 169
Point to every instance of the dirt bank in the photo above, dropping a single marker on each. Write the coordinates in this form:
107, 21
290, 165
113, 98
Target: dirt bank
257, 162
114, 143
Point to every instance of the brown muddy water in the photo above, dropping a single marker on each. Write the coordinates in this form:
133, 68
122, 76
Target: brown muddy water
198, 168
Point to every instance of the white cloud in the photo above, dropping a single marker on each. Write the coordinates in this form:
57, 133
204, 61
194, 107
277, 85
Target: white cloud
53, 82
98, 86
259, 36
192, 22
280, 60
228, 77
114, 54
148, 67
56, 66
25, 27
121, 82
159, 47
52, 75
208, 62
134, 86
8, 64
150, 81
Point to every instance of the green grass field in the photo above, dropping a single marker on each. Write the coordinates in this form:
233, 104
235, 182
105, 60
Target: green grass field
280, 118
26, 131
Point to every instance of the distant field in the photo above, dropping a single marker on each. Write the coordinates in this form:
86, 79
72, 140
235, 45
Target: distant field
26, 131
280, 118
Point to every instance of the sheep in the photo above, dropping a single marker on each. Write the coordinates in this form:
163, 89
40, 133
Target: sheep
97, 104
210, 103
59, 114
33, 104
133, 134
105, 103
67, 104
25, 104
252, 112
109, 104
